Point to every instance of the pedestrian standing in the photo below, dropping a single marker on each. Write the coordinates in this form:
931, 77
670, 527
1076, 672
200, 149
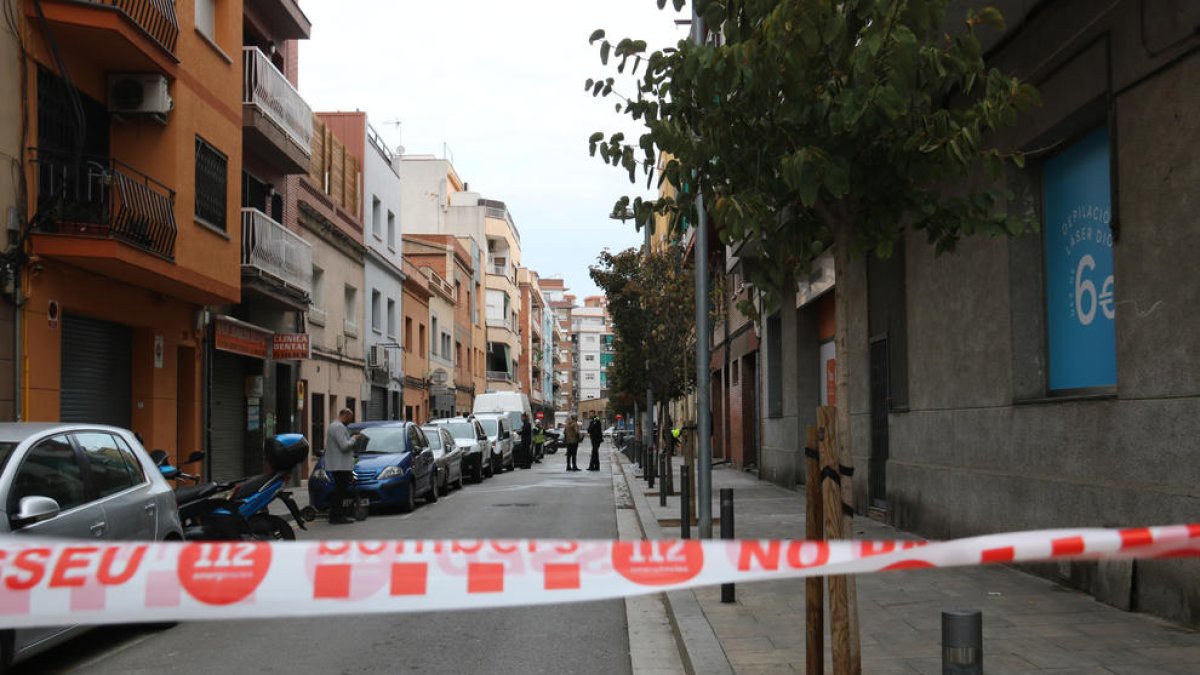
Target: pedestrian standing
526, 441
339, 463
596, 432
572, 436
539, 441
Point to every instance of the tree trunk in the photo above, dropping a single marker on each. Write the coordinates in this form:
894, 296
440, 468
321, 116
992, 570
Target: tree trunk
841, 268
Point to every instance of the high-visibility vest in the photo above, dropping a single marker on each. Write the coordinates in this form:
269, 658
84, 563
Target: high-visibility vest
539, 435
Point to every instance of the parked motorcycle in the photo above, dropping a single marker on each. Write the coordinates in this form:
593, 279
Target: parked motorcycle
242, 514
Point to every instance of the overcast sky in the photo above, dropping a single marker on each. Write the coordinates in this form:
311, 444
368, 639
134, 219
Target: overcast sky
499, 87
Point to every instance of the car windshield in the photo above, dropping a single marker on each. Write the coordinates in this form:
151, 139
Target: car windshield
435, 438
461, 429
490, 426
384, 440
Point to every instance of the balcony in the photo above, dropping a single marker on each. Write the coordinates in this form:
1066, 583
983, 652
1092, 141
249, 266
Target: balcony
146, 31
276, 122
500, 376
101, 197
287, 20
509, 325
275, 260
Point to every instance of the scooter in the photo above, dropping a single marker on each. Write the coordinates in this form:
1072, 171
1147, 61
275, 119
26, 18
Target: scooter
243, 513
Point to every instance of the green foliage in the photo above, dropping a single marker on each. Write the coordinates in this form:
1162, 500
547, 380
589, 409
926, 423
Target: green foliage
650, 300
814, 118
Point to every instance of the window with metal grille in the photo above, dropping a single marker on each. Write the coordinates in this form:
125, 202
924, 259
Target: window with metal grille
210, 184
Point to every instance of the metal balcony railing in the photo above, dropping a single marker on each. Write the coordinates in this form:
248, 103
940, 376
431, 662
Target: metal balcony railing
155, 17
264, 87
499, 375
272, 248
100, 196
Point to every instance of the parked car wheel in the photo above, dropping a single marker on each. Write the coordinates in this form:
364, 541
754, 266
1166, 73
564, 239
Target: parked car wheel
410, 501
308, 513
444, 488
267, 527
431, 496
477, 472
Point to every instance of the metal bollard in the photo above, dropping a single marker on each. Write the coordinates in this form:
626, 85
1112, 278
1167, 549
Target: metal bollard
662, 483
962, 642
685, 497
669, 476
650, 469
727, 590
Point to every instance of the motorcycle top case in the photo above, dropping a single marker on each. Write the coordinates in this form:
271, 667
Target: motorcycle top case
284, 451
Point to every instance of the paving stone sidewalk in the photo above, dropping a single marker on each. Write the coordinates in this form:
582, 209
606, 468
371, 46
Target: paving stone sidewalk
1030, 625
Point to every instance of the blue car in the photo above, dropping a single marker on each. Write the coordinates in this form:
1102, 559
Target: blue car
392, 470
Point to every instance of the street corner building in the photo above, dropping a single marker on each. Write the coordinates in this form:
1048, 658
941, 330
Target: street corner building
1050, 379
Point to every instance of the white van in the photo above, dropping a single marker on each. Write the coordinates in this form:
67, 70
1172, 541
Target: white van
511, 403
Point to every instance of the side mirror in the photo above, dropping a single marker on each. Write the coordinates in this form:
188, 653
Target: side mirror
195, 457
35, 509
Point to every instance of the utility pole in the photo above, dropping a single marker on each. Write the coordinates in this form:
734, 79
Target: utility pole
703, 414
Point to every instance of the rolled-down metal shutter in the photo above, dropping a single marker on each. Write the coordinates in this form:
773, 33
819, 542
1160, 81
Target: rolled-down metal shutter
227, 417
96, 382
377, 407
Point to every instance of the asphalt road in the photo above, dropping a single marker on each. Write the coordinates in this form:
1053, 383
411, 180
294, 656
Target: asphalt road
545, 501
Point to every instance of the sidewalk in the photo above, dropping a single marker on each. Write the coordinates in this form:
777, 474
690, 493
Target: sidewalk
1030, 625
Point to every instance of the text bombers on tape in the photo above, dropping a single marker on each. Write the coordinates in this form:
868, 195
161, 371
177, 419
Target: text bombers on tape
55, 582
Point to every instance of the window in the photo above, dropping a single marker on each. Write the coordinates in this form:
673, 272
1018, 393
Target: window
50, 470
589, 357
391, 230
446, 346
433, 331
774, 366
376, 311
589, 376
318, 288
350, 326
1080, 299
421, 340
210, 184
376, 210
391, 318
112, 468
206, 18
457, 353
408, 332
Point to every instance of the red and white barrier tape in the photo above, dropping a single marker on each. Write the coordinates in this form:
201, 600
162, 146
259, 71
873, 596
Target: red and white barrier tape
51, 582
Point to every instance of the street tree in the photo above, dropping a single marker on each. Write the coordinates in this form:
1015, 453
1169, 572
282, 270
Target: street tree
649, 304
802, 125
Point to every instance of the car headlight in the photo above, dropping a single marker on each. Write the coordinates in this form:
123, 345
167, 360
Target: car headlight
319, 475
390, 472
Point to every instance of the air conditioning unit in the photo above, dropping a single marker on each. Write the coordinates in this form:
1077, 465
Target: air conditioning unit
376, 357
138, 93
341, 343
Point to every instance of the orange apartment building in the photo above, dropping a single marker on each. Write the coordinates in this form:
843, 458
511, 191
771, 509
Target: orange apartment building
443, 254
415, 309
130, 221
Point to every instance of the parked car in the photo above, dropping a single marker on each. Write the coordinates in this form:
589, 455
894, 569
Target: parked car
447, 457
499, 432
393, 469
608, 434
473, 441
78, 481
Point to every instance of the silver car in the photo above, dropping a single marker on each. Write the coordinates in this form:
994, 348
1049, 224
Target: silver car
499, 430
77, 481
474, 444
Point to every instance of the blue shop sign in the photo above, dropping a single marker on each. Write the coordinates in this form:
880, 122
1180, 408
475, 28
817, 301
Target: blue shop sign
1080, 299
